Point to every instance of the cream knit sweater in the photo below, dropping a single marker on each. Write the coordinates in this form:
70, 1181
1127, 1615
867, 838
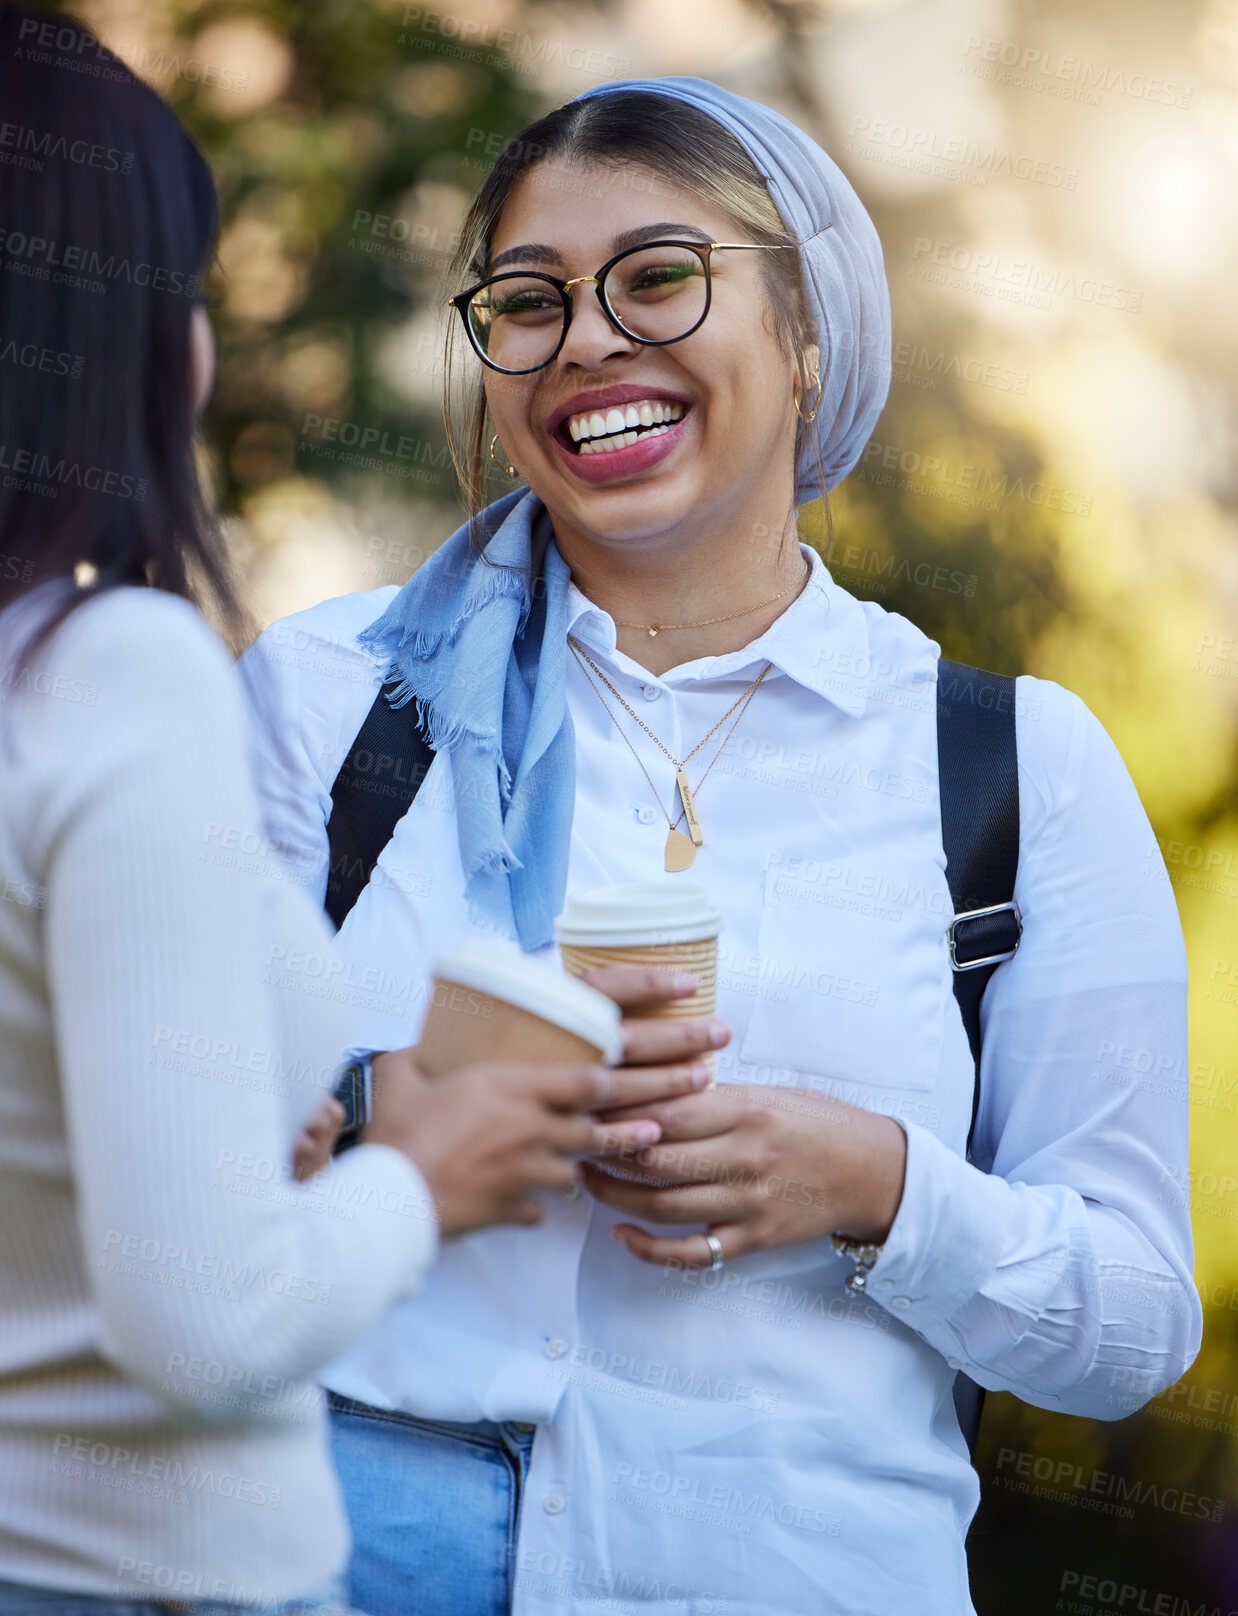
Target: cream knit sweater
167, 1021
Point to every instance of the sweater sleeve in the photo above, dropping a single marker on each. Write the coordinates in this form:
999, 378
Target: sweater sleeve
194, 1020
1063, 1274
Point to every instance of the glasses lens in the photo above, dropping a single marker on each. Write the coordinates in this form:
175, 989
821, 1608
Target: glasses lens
517, 321
658, 292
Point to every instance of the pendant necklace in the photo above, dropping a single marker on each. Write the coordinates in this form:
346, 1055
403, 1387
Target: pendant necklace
654, 629
680, 849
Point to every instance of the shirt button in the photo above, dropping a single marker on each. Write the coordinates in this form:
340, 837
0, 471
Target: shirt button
902, 1303
554, 1503
954, 1363
555, 1348
646, 815
650, 692
572, 1192
885, 1283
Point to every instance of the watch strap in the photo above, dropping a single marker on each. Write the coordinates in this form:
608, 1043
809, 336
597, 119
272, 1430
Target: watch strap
353, 1093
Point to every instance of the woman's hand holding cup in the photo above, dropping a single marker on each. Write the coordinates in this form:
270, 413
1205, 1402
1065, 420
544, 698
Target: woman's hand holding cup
642, 990
488, 1136
648, 1037
312, 1150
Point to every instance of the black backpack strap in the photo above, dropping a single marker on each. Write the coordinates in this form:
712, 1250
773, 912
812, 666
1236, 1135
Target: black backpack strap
979, 785
384, 769
373, 791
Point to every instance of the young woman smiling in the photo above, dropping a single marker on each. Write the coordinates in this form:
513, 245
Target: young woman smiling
667, 1396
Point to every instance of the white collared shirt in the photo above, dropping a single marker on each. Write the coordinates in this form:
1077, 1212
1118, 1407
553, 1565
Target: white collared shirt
758, 1440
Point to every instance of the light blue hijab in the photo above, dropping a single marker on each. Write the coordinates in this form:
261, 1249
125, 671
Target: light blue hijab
482, 649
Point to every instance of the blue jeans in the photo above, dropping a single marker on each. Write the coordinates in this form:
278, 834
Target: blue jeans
23, 1599
433, 1508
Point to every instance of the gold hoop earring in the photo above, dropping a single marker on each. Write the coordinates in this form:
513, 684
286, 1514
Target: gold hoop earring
508, 471
795, 402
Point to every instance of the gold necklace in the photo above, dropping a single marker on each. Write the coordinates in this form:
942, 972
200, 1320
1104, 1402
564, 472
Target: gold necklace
680, 849
654, 629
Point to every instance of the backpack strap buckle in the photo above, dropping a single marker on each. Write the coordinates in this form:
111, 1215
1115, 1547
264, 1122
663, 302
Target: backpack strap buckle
1000, 936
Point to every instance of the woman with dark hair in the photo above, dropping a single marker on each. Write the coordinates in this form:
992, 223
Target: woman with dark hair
167, 1289
724, 1380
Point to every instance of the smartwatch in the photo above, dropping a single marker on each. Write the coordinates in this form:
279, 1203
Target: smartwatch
353, 1092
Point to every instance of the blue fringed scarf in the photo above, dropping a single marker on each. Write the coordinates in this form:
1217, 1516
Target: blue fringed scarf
482, 651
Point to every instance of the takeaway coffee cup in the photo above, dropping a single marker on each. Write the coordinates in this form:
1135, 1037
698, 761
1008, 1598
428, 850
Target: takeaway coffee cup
651, 923
659, 923
491, 1002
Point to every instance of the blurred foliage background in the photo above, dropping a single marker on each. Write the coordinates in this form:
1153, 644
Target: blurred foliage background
1049, 490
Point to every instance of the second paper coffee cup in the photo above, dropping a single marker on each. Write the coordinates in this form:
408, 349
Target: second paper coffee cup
491, 1002
661, 923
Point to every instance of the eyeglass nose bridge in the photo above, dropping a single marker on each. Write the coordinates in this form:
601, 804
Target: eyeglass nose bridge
569, 309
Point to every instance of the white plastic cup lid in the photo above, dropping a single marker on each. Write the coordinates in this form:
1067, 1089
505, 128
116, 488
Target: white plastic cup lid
648, 912
501, 970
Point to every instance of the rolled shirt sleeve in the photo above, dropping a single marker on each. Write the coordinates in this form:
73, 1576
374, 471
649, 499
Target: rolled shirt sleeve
1063, 1273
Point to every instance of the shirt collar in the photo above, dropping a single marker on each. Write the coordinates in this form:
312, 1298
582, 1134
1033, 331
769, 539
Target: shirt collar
820, 641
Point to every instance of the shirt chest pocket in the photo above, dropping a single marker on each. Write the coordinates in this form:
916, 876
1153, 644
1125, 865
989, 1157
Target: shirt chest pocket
857, 972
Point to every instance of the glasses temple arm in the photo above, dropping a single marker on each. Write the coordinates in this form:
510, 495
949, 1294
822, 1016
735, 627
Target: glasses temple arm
771, 246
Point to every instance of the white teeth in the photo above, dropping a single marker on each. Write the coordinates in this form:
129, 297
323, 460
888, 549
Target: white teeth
620, 419
620, 440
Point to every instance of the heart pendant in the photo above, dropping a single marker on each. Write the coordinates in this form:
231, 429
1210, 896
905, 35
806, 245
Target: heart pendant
679, 850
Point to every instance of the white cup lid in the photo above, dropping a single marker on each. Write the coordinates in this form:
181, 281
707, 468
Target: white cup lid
644, 912
531, 984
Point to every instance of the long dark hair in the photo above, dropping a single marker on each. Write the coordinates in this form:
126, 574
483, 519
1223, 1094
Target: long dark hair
666, 136
107, 223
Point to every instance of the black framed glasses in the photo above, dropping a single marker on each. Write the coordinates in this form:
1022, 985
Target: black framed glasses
655, 294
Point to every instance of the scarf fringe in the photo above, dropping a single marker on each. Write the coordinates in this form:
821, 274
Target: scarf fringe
442, 732
446, 734
395, 639
493, 861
